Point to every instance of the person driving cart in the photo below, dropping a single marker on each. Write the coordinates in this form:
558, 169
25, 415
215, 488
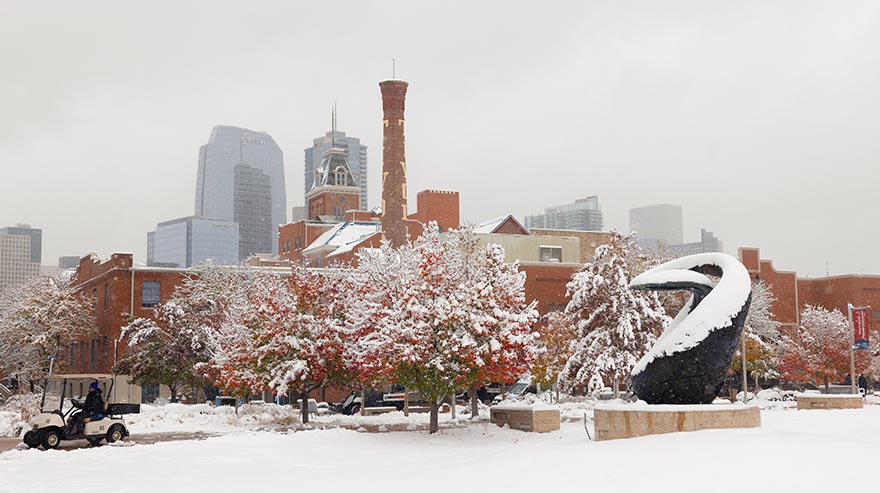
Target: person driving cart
92, 408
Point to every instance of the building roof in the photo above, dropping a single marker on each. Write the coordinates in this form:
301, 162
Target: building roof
493, 225
343, 237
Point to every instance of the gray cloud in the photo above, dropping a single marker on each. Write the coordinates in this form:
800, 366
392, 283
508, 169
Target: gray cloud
758, 118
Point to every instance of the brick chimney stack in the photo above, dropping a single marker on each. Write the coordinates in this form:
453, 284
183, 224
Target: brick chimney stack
393, 162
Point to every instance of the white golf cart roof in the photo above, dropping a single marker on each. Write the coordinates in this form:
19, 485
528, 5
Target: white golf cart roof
80, 376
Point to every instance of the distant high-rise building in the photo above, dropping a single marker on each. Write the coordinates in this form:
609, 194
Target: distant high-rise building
241, 179
36, 236
68, 262
190, 241
355, 154
661, 222
582, 215
708, 243
18, 262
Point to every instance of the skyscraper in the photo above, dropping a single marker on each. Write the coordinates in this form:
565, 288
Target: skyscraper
355, 154
661, 222
190, 241
20, 253
582, 215
36, 236
241, 179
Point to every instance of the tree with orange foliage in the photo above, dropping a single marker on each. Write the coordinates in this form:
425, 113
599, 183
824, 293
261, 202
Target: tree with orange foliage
818, 351
555, 336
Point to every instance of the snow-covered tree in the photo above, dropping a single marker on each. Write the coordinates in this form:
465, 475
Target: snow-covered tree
556, 333
300, 345
615, 326
166, 354
762, 335
818, 351
439, 315
41, 318
495, 319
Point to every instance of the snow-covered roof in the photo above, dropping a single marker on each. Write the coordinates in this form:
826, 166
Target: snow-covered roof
493, 224
343, 237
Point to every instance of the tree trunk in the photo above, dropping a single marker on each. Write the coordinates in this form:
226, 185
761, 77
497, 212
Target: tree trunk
406, 401
363, 401
475, 408
173, 392
435, 411
616, 386
304, 407
825, 380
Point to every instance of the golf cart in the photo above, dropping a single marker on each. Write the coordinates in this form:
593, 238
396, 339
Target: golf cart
57, 422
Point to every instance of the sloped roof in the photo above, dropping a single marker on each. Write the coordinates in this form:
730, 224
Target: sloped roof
493, 225
343, 236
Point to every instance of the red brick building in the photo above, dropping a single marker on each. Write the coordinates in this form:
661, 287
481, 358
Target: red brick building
119, 290
793, 293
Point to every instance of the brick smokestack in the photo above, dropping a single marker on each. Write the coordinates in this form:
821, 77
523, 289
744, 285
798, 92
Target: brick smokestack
393, 162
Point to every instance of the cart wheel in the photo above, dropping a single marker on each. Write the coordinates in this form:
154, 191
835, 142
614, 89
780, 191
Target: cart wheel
115, 434
51, 439
31, 439
355, 410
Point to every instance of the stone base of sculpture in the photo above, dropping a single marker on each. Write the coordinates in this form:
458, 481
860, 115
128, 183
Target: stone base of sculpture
830, 401
621, 421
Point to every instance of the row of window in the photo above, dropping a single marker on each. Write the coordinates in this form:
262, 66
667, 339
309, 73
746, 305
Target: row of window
297, 244
90, 354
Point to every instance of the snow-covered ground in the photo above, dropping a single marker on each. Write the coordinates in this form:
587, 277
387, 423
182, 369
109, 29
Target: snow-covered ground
807, 450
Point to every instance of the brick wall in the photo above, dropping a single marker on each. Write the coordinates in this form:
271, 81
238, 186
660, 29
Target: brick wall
438, 205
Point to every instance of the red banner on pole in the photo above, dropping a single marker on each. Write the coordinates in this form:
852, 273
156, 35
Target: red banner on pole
860, 326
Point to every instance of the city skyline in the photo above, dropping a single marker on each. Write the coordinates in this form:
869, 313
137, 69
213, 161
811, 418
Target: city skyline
746, 115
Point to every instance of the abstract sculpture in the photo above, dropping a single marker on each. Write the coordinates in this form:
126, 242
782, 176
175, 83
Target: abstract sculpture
689, 362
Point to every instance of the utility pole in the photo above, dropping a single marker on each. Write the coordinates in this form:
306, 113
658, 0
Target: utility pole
745, 380
852, 349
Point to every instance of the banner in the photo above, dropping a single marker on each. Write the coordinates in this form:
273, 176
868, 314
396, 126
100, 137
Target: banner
860, 326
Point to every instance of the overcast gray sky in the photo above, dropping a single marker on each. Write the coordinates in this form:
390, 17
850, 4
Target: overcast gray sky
758, 118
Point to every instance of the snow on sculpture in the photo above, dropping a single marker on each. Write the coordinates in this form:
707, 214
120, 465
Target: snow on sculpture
688, 363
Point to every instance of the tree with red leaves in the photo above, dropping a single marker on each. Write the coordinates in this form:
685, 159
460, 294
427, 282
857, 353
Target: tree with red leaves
818, 351
441, 314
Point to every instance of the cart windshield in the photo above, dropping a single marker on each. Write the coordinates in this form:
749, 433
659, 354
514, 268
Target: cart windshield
52, 395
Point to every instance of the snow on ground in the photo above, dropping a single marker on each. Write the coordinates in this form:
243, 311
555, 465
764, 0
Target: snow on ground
806, 450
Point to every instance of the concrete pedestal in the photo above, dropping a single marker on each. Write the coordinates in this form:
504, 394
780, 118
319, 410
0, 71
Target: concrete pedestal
616, 421
830, 401
526, 418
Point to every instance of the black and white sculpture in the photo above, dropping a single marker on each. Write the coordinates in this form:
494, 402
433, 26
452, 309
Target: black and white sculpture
689, 362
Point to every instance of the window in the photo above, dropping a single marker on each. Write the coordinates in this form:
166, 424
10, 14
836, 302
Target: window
95, 299
551, 254
93, 356
150, 293
106, 296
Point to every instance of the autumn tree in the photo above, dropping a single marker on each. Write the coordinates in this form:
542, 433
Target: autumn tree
39, 319
818, 350
761, 333
555, 336
614, 325
450, 314
166, 355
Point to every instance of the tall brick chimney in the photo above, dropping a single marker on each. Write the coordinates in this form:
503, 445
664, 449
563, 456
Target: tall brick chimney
393, 162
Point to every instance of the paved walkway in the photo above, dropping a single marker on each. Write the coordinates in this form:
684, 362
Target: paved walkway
144, 439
